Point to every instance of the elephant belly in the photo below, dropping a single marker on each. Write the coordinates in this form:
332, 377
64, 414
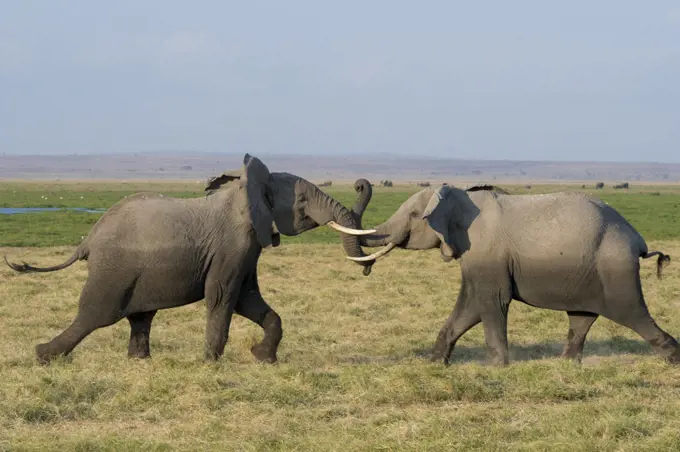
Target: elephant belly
166, 286
560, 289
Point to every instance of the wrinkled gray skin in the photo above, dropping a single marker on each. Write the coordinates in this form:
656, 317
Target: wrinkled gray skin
579, 322
562, 251
151, 252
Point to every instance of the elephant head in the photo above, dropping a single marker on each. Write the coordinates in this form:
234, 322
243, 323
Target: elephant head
433, 217
285, 203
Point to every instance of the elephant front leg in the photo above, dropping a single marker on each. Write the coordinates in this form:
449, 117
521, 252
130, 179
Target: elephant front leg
458, 323
253, 307
140, 329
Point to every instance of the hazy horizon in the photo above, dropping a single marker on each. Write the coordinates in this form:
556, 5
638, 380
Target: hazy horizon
524, 80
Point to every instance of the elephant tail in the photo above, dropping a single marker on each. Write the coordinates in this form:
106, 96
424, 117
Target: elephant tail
80, 254
661, 261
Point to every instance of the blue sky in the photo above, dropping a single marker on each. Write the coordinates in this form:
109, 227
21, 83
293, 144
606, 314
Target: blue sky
492, 80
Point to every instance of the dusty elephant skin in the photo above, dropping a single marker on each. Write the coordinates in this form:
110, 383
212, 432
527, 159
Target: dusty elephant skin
579, 322
562, 251
151, 252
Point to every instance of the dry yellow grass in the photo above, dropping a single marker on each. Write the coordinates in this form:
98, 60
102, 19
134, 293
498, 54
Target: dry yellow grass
351, 376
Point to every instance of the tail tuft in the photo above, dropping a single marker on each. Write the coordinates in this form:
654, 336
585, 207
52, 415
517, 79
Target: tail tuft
661, 262
21, 268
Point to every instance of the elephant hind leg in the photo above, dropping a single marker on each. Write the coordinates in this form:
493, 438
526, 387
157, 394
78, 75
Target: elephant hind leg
140, 330
579, 325
640, 321
253, 307
64, 343
99, 306
626, 306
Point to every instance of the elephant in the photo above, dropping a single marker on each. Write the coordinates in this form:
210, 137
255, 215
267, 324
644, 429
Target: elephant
563, 251
151, 252
578, 321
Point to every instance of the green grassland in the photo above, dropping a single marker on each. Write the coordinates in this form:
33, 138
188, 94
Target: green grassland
651, 209
353, 371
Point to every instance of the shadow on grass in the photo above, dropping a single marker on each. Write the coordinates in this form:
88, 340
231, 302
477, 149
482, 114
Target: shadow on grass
615, 346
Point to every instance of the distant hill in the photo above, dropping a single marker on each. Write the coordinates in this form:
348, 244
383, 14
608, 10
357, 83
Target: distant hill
199, 166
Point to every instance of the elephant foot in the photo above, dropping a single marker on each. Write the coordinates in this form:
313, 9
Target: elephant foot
674, 358
139, 354
440, 351
499, 359
264, 353
444, 358
575, 358
44, 354
572, 354
139, 349
212, 355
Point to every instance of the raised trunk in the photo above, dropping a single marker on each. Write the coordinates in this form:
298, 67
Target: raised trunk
328, 209
364, 192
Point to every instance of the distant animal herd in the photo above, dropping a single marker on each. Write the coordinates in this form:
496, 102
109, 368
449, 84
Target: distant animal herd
564, 251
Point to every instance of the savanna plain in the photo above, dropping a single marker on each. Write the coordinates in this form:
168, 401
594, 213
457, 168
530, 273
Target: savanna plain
353, 371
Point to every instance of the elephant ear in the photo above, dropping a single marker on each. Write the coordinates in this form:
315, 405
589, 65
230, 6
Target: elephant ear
223, 179
446, 215
258, 192
487, 187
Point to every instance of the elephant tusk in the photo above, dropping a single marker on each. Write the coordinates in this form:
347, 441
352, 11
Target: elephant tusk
350, 231
390, 246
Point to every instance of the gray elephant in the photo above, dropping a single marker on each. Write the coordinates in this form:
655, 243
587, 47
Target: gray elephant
578, 321
151, 252
561, 251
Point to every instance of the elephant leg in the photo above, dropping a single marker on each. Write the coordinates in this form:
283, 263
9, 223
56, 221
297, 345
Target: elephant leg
458, 323
253, 307
97, 308
64, 343
464, 316
493, 296
579, 325
625, 304
140, 328
221, 298
639, 320
495, 323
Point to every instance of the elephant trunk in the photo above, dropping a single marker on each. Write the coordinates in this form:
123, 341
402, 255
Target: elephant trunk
381, 237
364, 192
351, 243
331, 212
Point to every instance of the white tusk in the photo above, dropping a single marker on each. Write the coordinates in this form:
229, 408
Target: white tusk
350, 231
390, 246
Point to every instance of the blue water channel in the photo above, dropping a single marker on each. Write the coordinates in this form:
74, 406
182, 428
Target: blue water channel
17, 210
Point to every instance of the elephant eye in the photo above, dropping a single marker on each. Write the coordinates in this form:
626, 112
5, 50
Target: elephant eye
414, 214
